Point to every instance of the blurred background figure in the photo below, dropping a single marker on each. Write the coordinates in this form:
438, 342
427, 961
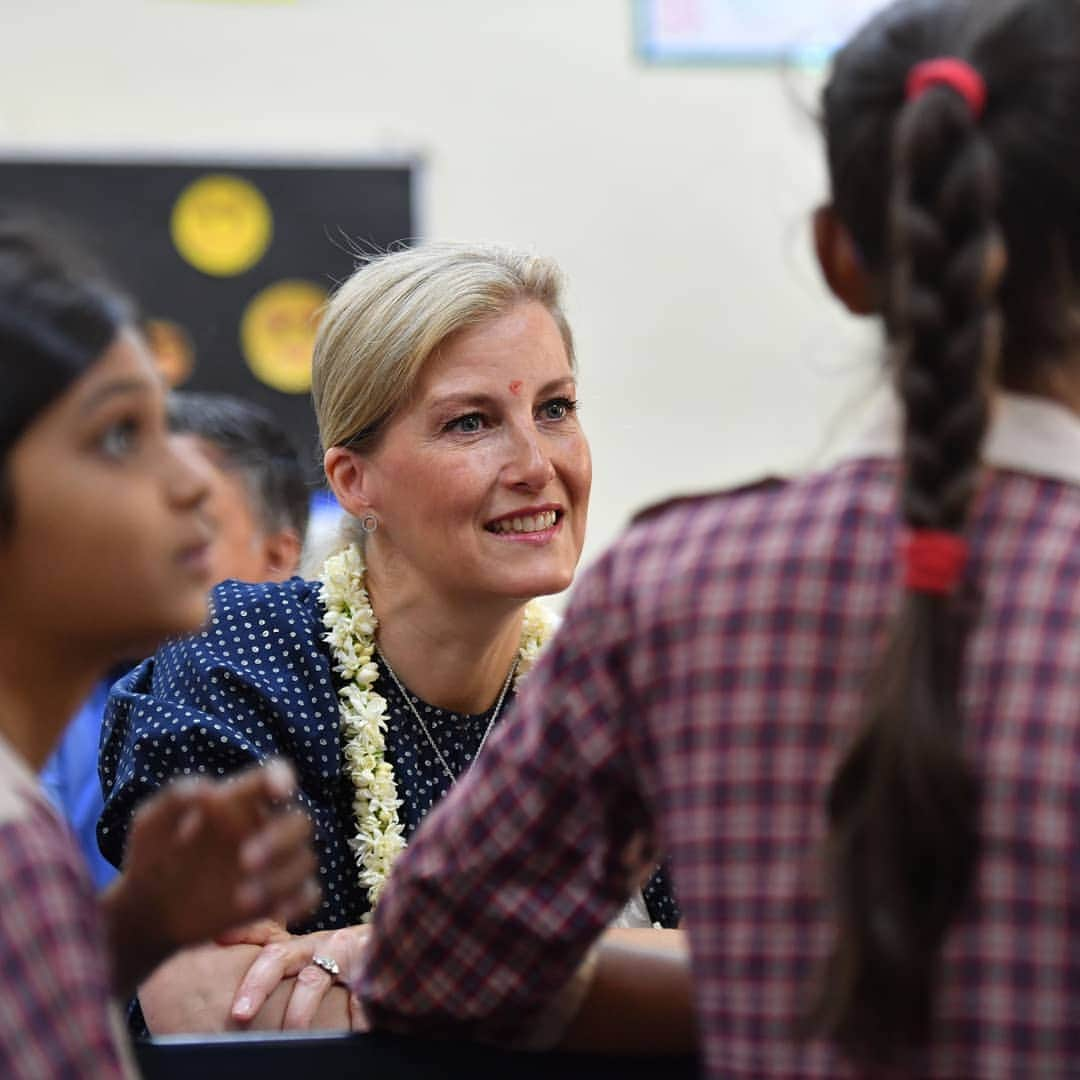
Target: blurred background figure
257, 507
259, 501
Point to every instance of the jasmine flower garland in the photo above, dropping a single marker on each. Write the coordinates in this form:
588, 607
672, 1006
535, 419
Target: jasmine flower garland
350, 626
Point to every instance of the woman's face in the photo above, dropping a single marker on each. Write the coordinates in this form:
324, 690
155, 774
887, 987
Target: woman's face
109, 546
481, 483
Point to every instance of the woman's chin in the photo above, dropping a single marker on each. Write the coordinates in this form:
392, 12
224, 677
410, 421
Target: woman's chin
541, 585
514, 583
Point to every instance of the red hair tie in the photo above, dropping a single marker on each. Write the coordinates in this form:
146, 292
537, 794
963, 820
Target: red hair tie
952, 72
933, 560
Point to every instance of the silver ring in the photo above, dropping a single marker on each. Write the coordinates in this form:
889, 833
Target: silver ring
327, 964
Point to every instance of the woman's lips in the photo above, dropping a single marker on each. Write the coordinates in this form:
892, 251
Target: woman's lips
538, 521
536, 527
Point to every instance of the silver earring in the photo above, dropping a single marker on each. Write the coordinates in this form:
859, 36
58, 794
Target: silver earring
369, 523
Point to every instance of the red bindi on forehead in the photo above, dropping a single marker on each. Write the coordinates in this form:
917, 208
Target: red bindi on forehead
515, 387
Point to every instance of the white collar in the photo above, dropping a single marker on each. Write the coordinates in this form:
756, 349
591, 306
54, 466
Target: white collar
17, 784
1027, 434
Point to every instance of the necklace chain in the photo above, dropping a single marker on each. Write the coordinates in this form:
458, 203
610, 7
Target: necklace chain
350, 625
424, 728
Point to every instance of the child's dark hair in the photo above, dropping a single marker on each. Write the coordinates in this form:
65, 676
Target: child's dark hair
57, 316
932, 193
252, 443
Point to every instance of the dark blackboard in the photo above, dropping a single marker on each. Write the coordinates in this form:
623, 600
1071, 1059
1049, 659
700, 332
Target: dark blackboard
313, 220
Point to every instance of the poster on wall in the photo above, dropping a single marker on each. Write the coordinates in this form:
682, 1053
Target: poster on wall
230, 262
745, 31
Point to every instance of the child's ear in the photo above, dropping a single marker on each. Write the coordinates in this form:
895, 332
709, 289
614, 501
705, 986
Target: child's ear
281, 554
843, 270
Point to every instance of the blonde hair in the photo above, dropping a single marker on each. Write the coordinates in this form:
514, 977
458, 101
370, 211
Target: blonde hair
385, 321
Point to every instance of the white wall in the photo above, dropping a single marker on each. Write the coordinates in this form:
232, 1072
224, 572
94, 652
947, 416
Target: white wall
676, 200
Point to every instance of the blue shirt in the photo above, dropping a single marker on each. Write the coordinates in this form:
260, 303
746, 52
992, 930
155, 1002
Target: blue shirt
70, 778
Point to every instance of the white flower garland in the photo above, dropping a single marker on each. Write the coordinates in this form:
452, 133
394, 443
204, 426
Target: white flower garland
350, 632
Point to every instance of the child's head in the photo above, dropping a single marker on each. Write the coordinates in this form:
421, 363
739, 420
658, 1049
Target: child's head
1012, 172
103, 546
258, 502
56, 319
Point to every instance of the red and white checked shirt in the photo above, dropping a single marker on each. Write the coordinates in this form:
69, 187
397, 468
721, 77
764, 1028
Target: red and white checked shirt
704, 686
57, 1017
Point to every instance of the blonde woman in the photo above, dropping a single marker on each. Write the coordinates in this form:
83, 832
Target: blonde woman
445, 386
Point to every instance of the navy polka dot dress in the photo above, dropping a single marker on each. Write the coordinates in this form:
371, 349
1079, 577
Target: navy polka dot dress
258, 681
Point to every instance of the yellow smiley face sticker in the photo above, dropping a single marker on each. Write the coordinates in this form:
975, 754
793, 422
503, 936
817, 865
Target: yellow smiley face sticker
277, 334
171, 348
222, 225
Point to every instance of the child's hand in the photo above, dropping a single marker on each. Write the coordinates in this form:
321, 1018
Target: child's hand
203, 856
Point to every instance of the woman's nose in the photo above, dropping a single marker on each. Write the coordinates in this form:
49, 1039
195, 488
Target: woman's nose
531, 466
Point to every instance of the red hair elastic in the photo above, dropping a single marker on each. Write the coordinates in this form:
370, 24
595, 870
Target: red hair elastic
952, 72
933, 560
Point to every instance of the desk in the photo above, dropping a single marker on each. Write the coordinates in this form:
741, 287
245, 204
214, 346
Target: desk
304, 1057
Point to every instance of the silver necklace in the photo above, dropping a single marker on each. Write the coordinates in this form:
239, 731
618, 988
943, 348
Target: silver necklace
424, 728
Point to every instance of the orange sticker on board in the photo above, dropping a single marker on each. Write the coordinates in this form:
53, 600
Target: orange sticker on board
277, 334
221, 225
170, 345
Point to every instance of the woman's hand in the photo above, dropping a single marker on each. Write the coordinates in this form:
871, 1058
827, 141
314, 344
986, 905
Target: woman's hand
285, 955
203, 856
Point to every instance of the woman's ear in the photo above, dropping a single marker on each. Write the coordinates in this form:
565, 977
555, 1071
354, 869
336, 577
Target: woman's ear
843, 270
347, 475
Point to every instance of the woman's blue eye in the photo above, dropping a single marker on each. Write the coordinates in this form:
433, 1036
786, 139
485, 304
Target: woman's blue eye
558, 408
467, 425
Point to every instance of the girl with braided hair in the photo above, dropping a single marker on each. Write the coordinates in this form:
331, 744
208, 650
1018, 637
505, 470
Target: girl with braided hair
848, 706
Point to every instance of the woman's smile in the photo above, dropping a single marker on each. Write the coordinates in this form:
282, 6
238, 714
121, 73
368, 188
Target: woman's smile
535, 524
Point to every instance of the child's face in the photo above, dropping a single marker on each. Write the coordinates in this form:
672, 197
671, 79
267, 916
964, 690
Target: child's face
243, 548
110, 550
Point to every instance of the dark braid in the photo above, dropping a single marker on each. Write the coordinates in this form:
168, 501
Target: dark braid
934, 200
903, 806
944, 241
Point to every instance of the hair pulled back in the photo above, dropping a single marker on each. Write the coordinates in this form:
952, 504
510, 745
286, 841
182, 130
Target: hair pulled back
392, 314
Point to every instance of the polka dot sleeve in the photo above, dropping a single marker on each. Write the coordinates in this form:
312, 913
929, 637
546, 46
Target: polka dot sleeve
255, 682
